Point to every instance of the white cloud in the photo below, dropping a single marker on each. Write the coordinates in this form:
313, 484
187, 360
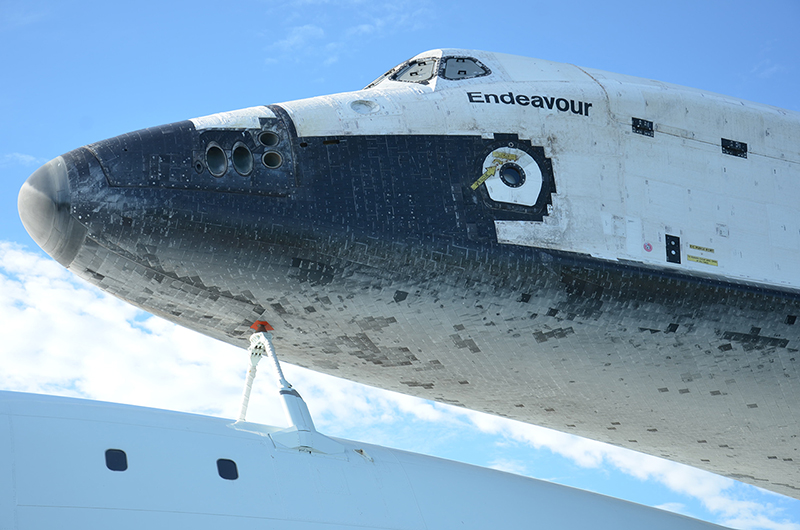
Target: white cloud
675, 507
362, 29
509, 466
18, 15
712, 490
766, 69
300, 37
328, 38
62, 336
20, 159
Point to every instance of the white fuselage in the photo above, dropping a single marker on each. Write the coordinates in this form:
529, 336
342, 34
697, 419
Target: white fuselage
53, 474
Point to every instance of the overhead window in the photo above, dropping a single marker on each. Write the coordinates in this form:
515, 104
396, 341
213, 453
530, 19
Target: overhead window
463, 68
416, 71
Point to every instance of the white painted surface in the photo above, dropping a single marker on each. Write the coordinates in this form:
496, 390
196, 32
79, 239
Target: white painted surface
54, 476
244, 118
619, 192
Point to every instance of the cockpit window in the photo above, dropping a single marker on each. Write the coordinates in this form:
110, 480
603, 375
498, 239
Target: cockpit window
380, 79
462, 68
423, 70
416, 71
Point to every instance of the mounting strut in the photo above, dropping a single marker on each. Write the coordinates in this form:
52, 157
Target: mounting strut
293, 404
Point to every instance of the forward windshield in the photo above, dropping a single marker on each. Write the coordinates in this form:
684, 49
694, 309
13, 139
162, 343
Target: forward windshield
424, 70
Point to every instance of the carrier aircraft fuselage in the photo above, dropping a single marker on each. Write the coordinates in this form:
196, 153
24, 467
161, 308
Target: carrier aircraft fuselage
604, 255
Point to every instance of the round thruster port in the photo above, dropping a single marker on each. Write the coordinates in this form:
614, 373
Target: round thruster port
272, 159
216, 161
268, 139
198, 166
512, 175
242, 159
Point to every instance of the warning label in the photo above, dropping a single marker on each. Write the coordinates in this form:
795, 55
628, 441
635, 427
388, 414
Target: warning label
704, 261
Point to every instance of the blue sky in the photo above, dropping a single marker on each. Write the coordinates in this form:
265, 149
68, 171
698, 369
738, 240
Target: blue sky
80, 71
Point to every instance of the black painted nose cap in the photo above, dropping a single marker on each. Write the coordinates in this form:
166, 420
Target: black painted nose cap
44, 207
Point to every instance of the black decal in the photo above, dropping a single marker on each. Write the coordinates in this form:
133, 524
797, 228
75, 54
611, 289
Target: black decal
732, 147
643, 127
580, 108
673, 249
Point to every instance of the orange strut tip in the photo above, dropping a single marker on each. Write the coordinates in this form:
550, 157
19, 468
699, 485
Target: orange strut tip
261, 325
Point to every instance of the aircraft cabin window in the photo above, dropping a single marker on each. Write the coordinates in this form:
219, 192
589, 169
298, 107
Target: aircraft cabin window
463, 68
116, 460
416, 71
227, 469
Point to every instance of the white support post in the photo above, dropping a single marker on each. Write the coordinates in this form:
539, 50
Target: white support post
301, 434
255, 356
293, 405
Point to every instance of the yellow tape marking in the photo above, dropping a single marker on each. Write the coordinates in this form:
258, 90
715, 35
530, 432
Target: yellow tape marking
704, 261
702, 249
489, 172
499, 158
506, 156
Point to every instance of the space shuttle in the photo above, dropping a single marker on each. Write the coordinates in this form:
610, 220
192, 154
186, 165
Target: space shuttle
604, 255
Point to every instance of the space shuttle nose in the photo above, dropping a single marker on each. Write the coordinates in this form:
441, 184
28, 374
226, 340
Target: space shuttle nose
44, 207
